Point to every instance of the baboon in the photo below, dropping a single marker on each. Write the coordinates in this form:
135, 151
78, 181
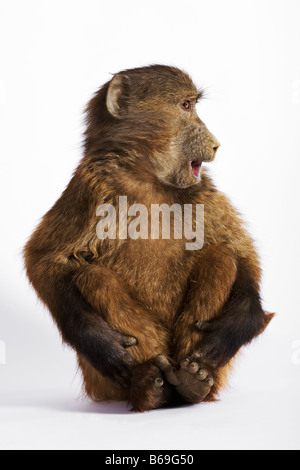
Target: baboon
151, 322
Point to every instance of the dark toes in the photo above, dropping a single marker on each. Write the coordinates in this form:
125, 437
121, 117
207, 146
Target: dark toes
202, 374
159, 382
148, 388
196, 379
184, 363
162, 362
193, 367
210, 381
190, 365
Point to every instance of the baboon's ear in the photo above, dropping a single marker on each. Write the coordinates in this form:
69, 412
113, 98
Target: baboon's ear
116, 96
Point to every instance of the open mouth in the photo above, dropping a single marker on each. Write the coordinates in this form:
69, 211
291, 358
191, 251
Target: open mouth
195, 167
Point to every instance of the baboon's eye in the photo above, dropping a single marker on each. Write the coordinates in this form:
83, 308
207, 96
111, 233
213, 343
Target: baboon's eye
186, 105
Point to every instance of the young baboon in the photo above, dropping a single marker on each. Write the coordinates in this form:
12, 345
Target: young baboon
151, 322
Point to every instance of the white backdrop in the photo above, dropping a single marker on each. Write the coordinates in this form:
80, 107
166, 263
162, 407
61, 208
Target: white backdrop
53, 56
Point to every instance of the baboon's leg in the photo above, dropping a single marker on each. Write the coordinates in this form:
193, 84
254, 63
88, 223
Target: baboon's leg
210, 285
107, 293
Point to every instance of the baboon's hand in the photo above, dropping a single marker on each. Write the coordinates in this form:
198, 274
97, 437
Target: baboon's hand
223, 336
107, 353
218, 343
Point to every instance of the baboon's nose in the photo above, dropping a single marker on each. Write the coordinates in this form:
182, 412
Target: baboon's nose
212, 146
211, 143
215, 145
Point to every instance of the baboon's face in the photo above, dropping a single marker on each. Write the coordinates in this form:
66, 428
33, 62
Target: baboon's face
162, 100
191, 144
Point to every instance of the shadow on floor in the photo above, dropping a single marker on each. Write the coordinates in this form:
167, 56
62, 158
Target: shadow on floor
60, 400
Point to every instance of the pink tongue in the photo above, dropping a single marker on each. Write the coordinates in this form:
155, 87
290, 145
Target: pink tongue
196, 168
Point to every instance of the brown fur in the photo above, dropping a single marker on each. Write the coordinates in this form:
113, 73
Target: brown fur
104, 293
